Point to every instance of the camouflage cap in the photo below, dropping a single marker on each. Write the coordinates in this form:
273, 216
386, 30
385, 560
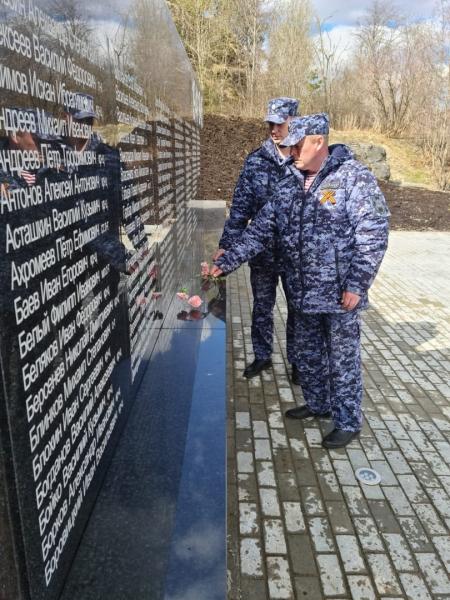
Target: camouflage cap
279, 109
84, 107
300, 127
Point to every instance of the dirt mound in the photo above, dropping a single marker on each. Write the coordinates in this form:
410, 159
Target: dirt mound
226, 141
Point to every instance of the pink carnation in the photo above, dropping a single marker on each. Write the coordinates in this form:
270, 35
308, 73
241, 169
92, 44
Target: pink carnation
182, 296
141, 300
205, 269
156, 295
195, 301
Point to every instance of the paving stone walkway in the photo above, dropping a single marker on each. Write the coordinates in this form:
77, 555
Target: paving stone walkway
300, 525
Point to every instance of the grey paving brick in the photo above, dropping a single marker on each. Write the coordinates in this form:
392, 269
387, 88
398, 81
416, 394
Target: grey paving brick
412, 488
384, 576
372, 449
298, 448
245, 462
415, 587
279, 578
308, 588
263, 449
385, 439
321, 460
442, 544
358, 458
384, 517
251, 557
350, 552
269, 502
361, 588
293, 516
386, 473
301, 554
441, 501
398, 501
274, 539
415, 534
409, 450
279, 439
312, 501
425, 475
355, 500
399, 552
320, 533
248, 519
266, 475
306, 476
329, 486
339, 517
313, 437
434, 573
344, 472
260, 429
247, 488
287, 487
331, 575
368, 534
430, 519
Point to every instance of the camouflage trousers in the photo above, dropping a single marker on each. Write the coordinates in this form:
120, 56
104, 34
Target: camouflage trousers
264, 281
328, 356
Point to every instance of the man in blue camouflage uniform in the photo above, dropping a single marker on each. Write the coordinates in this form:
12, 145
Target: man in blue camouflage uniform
257, 182
332, 236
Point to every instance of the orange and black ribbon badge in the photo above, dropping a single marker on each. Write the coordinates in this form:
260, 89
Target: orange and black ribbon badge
328, 196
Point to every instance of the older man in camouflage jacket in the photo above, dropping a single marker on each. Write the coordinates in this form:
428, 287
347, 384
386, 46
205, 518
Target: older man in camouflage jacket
257, 183
330, 220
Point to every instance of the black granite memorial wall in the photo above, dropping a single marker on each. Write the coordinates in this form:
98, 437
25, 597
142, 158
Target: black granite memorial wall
99, 158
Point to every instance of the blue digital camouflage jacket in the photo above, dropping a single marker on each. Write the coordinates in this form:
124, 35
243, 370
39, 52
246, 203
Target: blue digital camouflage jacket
259, 178
331, 238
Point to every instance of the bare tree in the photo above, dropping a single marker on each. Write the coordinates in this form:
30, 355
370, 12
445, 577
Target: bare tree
290, 52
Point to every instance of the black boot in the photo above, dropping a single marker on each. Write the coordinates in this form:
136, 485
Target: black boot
303, 412
338, 438
256, 367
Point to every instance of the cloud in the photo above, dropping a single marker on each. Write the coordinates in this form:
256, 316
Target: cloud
342, 39
353, 11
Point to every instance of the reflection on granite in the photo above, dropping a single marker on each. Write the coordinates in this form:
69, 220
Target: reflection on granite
157, 531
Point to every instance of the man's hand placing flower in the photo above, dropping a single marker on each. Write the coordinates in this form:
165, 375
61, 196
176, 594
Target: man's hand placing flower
216, 271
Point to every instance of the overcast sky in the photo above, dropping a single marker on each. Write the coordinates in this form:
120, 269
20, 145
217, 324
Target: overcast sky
342, 19
350, 12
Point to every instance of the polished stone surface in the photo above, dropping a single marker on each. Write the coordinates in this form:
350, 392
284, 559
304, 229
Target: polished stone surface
158, 527
100, 123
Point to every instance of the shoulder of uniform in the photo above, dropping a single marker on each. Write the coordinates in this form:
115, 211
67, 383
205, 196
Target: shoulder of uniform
254, 155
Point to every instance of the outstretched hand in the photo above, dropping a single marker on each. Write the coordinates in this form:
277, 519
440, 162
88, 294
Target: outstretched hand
350, 300
215, 271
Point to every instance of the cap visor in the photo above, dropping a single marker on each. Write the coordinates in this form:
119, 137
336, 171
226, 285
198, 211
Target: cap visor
291, 140
274, 119
84, 114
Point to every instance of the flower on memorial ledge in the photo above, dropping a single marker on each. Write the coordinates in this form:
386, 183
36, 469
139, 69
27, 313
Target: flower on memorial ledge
141, 300
156, 295
195, 301
183, 296
205, 269
153, 272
